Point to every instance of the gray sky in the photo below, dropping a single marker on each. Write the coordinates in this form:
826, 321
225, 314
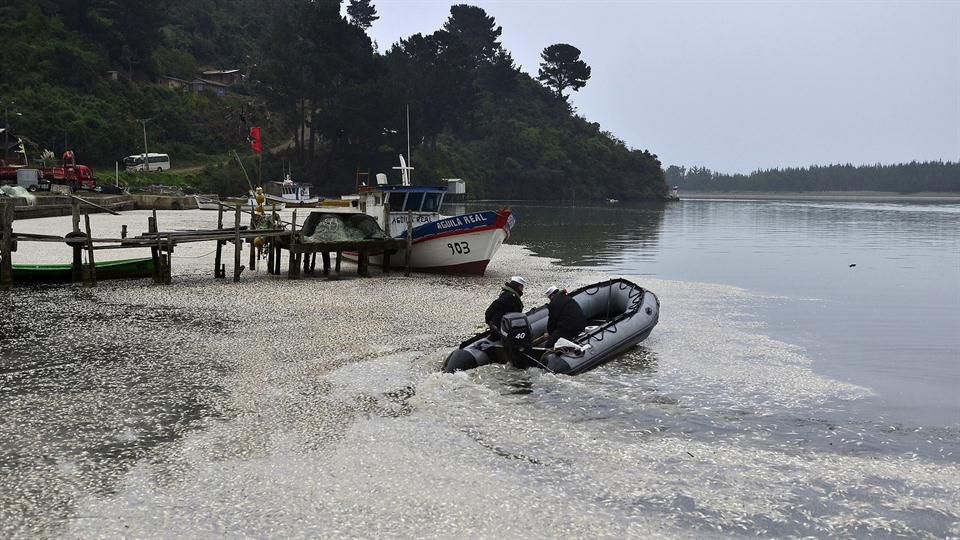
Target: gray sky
738, 86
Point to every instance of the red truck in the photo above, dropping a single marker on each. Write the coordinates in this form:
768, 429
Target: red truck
71, 174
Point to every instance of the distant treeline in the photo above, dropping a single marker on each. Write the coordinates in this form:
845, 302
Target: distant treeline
913, 177
80, 73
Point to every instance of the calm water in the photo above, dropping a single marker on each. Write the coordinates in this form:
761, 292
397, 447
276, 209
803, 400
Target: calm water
871, 290
784, 393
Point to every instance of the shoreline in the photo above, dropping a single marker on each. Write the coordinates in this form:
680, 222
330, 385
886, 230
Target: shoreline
862, 196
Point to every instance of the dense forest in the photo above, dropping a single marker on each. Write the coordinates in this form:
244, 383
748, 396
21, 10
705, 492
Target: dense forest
82, 74
936, 176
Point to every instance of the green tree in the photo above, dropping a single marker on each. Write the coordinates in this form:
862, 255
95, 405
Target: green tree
478, 31
362, 13
562, 68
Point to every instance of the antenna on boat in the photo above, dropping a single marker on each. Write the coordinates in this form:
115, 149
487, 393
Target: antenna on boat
410, 161
404, 171
404, 168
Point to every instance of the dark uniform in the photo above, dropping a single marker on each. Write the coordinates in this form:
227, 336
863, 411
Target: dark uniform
508, 302
566, 319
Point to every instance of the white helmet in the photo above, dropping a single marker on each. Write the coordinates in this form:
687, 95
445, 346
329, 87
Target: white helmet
519, 280
550, 291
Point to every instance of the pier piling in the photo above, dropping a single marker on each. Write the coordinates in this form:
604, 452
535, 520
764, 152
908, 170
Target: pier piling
238, 245
218, 268
90, 272
6, 243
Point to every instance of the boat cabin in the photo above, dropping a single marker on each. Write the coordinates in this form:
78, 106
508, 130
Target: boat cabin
289, 190
389, 205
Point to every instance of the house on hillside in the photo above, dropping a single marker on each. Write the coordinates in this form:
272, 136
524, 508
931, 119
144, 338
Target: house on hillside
203, 85
223, 76
174, 83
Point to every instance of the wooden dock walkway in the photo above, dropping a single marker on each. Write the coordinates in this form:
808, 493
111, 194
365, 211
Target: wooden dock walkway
262, 234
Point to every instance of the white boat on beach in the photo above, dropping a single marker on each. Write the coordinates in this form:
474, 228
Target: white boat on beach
210, 201
460, 244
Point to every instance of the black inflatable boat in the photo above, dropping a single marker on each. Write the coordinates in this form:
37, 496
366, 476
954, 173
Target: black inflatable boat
620, 314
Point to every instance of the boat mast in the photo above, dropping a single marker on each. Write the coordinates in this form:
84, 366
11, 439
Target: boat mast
410, 161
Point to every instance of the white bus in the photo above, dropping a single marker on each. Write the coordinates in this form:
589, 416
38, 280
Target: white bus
155, 162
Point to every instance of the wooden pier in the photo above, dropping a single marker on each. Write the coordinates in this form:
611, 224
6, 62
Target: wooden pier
271, 236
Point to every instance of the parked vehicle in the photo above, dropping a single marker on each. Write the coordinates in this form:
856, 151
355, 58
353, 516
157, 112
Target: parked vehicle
147, 162
68, 173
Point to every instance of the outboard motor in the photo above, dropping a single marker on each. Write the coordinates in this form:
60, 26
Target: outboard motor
517, 339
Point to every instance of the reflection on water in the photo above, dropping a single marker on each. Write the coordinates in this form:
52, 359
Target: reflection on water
141, 416
590, 235
871, 289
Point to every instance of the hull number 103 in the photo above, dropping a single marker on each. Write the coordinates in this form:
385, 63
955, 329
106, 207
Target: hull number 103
461, 248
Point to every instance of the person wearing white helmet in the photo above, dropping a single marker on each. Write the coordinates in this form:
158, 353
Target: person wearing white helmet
565, 317
508, 302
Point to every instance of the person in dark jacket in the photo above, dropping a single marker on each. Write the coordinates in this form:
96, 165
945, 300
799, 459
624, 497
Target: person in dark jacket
508, 302
566, 319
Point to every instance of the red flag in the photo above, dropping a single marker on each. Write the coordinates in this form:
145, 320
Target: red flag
255, 139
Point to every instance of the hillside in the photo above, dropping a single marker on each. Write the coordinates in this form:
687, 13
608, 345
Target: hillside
85, 71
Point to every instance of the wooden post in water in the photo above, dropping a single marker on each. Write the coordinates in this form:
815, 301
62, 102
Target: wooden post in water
6, 243
363, 262
293, 268
168, 266
154, 250
123, 231
273, 251
90, 275
325, 257
76, 268
270, 243
406, 270
238, 245
253, 252
218, 269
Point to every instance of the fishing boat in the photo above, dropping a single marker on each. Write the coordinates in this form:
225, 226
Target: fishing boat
459, 244
210, 201
291, 194
63, 273
249, 203
620, 315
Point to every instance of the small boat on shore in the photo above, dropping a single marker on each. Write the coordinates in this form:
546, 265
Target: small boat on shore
620, 315
63, 273
208, 201
249, 204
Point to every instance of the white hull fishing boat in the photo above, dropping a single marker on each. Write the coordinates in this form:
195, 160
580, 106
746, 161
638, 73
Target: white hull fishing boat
291, 194
461, 244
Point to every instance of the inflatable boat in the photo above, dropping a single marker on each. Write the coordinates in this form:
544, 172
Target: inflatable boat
620, 314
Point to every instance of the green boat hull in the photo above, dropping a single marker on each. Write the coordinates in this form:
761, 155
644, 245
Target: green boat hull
63, 273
